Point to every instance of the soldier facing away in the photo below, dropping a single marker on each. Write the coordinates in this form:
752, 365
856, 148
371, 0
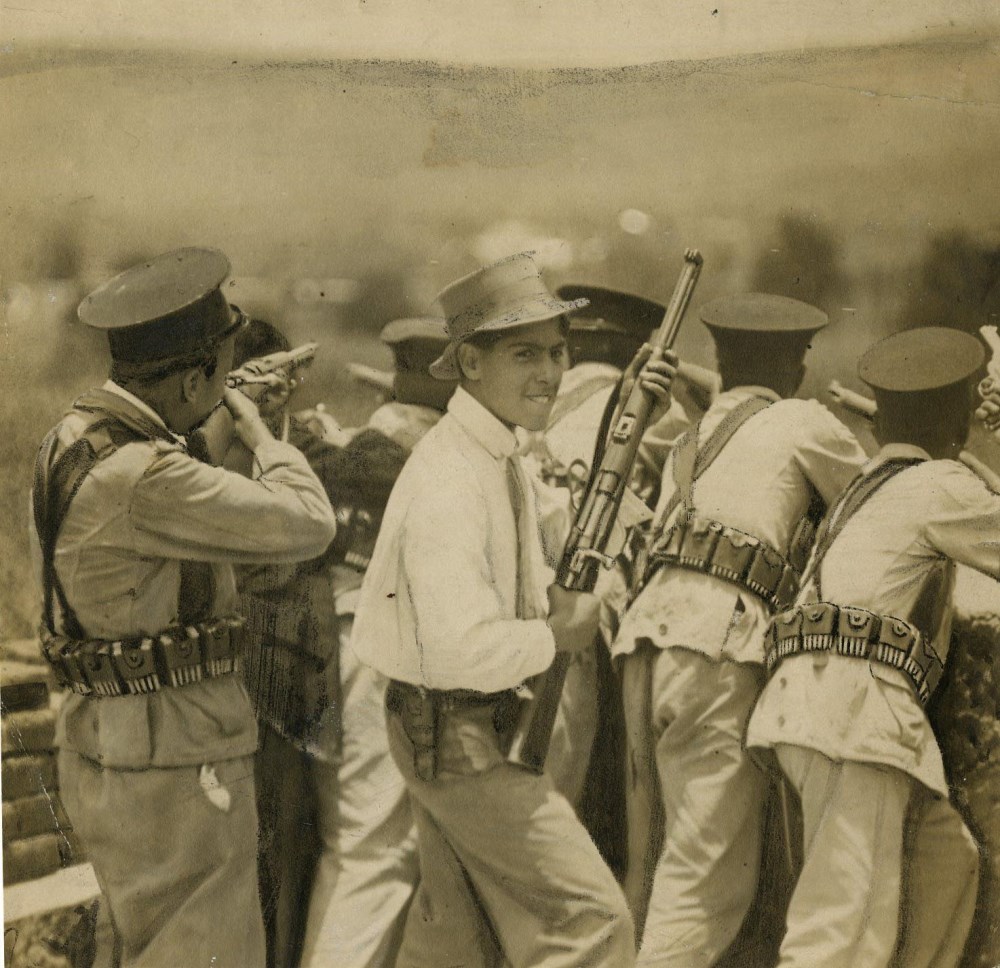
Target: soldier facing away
725, 551
889, 866
135, 542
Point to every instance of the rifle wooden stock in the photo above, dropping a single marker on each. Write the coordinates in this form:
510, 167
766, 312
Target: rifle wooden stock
585, 549
866, 407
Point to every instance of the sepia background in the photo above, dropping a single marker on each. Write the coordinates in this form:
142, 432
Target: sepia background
351, 158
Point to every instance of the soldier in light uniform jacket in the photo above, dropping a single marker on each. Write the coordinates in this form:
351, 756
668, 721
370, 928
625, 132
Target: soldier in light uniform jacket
735, 491
135, 542
888, 863
453, 610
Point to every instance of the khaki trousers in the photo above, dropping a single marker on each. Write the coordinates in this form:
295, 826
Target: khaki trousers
888, 867
367, 867
178, 871
695, 803
575, 727
508, 874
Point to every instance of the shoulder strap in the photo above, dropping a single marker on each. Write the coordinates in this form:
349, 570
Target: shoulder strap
691, 461
854, 497
568, 402
110, 424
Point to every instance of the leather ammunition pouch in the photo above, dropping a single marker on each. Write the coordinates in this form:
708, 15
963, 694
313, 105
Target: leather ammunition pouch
421, 712
704, 545
133, 666
855, 632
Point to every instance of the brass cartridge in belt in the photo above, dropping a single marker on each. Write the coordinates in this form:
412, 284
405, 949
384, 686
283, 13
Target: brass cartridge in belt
819, 622
136, 665
698, 544
99, 668
734, 551
895, 640
764, 574
857, 629
181, 652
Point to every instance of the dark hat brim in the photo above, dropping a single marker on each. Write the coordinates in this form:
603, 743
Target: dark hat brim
920, 360
757, 312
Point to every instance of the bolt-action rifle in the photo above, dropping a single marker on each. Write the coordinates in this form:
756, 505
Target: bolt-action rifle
584, 552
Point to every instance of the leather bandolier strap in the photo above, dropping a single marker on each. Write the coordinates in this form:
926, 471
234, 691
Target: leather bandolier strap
698, 543
196, 648
821, 626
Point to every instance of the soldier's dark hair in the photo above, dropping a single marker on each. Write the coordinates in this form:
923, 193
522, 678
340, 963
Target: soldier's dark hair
772, 360
259, 338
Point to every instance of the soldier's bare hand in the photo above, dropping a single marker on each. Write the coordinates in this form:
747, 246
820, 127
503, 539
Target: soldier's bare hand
247, 422
989, 410
657, 376
573, 618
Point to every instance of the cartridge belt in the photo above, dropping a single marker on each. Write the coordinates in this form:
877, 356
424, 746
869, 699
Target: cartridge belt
143, 664
702, 544
855, 632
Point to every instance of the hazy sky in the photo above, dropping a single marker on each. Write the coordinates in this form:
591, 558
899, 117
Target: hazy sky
572, 32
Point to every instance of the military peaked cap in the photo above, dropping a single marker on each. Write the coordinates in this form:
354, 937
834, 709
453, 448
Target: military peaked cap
759, 312
614, 311
166, 307
921, 360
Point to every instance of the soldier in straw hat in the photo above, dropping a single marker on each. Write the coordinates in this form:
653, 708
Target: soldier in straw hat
135, 542
457, 611
890, 870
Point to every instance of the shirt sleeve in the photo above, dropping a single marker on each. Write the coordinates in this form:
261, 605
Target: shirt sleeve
967, 528
656, 444
464, 639
828, 453
183, 508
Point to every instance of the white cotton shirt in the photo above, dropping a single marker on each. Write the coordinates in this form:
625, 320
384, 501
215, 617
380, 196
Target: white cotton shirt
925, 517
438, 602
760, 483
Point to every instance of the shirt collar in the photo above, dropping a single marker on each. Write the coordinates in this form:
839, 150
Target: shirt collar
896, 452
481, 425
139, 405
753, 391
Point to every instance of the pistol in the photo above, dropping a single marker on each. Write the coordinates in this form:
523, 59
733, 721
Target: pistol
257, 378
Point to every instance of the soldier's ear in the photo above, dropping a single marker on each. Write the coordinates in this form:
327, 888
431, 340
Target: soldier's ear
191, 381
469, 357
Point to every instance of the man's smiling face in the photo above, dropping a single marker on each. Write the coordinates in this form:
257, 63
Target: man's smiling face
517, 378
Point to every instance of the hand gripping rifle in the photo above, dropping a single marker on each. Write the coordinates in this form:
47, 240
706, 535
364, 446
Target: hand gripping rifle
865, 407
275, 373
585, 549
